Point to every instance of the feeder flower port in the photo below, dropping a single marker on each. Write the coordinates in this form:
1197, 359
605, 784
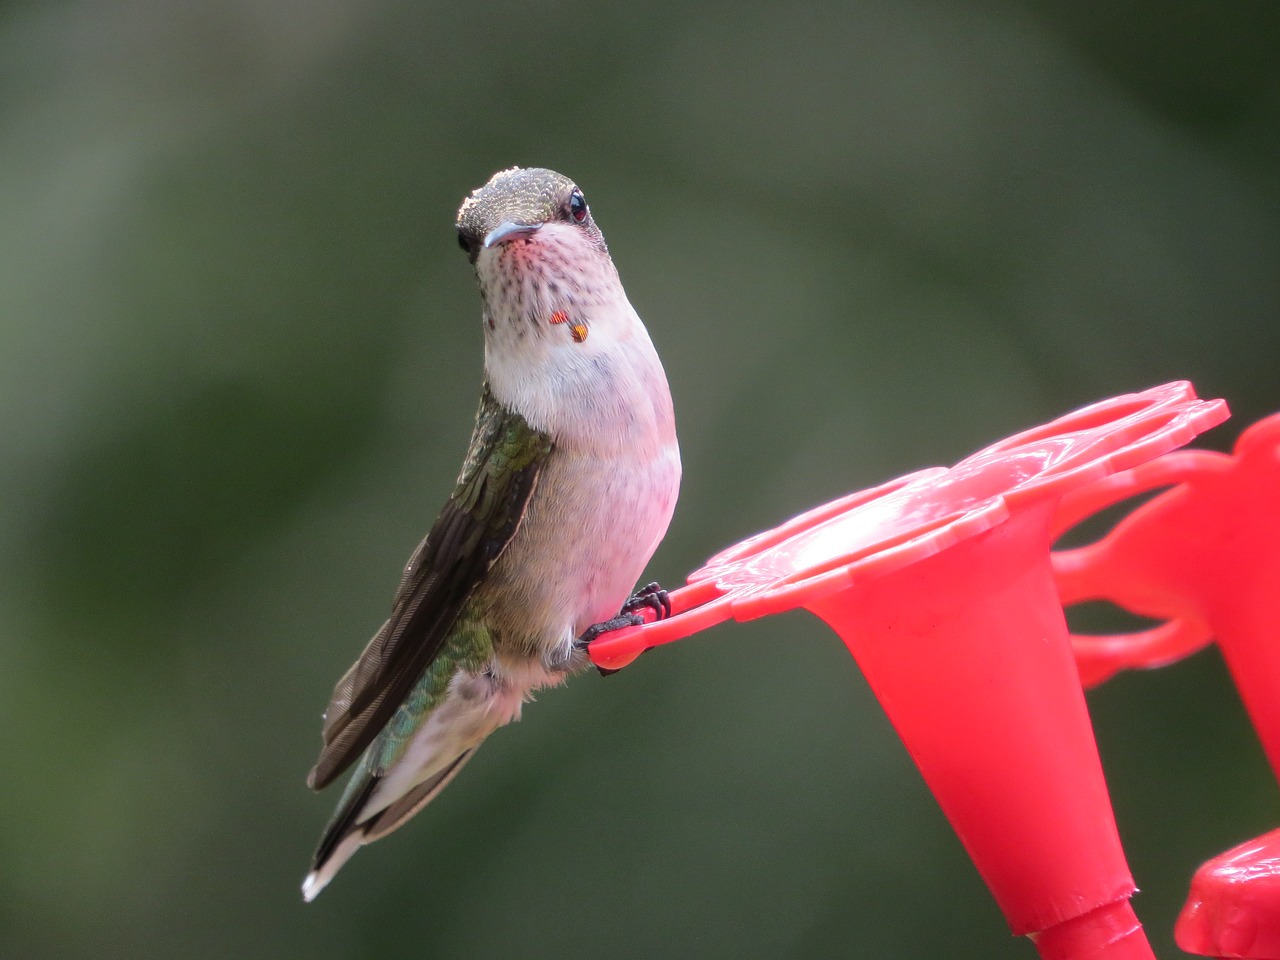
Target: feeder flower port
944, 588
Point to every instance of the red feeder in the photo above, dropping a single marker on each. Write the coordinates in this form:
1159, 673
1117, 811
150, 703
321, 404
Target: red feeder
1203, 558
1234, 906
940, 585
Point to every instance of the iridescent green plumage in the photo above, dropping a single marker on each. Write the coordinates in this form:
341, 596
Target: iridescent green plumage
501, 470
469, 647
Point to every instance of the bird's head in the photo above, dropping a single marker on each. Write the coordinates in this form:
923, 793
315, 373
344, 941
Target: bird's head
563, 345
538, 253
517, 204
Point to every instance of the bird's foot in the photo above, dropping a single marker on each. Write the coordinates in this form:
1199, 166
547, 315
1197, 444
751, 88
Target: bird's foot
596, 630
649, 597
652, 597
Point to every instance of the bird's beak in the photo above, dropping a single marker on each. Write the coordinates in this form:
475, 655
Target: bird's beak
509, 231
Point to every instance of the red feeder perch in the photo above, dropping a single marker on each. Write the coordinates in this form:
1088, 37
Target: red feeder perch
940, 584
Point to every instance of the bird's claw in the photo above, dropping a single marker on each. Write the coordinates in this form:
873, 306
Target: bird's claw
649, 597
624, 619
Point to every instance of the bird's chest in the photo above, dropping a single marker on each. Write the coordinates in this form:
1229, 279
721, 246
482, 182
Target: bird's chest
591, 526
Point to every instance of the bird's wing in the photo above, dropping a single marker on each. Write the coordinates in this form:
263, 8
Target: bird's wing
501, 470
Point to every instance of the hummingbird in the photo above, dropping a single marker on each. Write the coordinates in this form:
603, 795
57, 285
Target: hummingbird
567, 488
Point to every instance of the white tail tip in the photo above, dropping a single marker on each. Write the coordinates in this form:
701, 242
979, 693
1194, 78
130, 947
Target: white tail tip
312, 886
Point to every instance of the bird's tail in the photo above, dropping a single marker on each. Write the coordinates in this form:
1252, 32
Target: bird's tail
353, 825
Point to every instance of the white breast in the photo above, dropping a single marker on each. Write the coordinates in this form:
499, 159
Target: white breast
603, 502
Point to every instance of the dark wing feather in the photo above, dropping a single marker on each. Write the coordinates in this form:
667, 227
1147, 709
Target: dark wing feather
502, 467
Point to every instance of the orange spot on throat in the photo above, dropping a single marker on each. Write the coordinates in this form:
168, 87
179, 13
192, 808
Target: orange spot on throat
577, 330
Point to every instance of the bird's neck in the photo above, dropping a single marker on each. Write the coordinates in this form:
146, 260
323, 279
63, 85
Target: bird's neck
601, 390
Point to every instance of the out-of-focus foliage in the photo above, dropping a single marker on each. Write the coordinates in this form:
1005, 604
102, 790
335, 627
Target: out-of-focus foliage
239, 355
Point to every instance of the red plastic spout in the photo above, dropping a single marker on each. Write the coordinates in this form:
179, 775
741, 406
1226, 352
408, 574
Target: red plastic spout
1108, 932
1234, 906
940, 585
967, 652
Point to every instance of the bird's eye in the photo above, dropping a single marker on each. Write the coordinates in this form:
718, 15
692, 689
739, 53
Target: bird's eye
577, 206
466, 242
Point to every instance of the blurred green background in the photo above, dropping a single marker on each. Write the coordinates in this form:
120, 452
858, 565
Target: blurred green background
240, 357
